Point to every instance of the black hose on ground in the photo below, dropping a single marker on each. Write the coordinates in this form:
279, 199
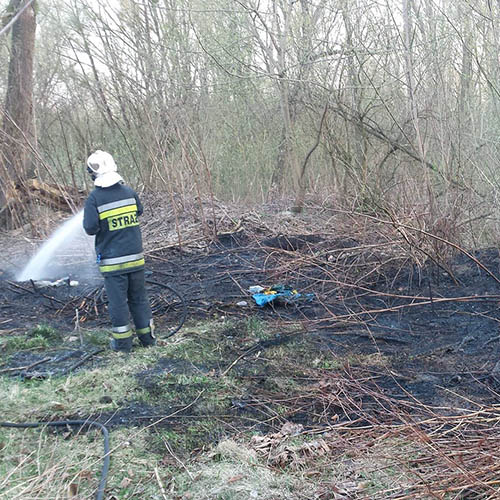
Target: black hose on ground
62, 423
182, 303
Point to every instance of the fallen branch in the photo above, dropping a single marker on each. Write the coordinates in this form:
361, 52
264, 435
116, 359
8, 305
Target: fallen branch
27, 367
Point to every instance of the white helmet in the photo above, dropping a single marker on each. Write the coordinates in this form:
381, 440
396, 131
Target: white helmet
102, 168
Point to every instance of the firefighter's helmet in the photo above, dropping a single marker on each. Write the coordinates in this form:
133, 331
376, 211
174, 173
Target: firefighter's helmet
102, 168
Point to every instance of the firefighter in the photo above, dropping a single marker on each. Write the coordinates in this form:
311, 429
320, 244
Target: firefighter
111, 214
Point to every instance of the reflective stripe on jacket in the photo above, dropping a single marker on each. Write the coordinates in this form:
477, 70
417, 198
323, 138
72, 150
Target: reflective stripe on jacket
111, 214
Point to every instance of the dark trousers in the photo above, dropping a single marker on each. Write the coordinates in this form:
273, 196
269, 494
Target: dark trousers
127, 296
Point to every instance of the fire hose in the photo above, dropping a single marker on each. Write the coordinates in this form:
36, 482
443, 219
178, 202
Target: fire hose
81, 423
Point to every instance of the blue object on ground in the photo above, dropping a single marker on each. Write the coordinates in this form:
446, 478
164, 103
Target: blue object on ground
282, 292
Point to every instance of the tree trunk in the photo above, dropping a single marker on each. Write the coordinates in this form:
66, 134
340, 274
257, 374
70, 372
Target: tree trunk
17, 132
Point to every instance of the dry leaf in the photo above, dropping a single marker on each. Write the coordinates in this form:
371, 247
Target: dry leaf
169, 460
56, 406
291, 429
312, 473
233, 479
125, 482
72, 490
85, 474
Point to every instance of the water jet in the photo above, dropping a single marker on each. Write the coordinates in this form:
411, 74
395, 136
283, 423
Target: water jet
48, 262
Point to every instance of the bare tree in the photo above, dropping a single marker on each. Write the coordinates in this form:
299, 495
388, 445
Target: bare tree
387, 101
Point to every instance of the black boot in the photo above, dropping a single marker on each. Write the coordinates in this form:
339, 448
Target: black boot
147, 339
121, 345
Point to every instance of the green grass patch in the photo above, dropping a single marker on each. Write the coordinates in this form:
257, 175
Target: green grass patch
217, 340
40, 337
79, 393
23, 343
46, 332
99, 338
256, 328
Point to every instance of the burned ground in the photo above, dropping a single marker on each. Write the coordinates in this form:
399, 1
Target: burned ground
375, 334
438, 329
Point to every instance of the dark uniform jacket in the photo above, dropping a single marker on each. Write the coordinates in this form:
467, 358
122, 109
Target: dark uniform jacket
111, 214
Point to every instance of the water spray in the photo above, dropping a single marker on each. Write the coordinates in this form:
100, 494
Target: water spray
45, 264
